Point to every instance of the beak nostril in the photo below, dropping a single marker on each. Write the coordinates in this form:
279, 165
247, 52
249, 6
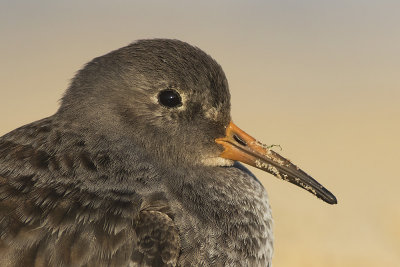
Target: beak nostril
239, 140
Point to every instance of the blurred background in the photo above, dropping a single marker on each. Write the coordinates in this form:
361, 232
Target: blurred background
319, 78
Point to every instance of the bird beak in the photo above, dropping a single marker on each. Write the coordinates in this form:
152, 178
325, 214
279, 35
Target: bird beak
242, 147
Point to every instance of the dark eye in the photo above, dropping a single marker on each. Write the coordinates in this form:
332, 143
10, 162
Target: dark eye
169, 98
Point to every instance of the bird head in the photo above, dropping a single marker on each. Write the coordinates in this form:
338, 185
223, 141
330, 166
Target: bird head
172, 100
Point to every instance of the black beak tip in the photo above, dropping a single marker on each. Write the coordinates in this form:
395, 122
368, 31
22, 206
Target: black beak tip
329, 198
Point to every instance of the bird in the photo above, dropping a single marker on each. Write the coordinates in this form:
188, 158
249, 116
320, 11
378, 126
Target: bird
140, 166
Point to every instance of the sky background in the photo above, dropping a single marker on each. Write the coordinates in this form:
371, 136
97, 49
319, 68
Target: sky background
320, 78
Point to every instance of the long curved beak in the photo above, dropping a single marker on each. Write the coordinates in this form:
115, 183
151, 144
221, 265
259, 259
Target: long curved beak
242, 147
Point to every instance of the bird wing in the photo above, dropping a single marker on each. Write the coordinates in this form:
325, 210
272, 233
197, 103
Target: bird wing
45, 223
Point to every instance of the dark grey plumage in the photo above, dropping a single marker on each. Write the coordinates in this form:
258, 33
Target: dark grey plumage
116, 179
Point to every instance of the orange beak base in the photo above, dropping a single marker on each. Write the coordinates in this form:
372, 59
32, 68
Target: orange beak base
240, 146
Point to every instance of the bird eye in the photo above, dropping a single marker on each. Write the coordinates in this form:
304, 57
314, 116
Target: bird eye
169, 98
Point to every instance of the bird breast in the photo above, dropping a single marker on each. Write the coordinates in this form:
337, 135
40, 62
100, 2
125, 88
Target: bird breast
224, 219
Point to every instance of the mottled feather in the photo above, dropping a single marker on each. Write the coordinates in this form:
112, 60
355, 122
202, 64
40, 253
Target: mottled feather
48, 219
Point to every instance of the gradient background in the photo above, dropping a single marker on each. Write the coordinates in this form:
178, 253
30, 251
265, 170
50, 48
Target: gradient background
320, 78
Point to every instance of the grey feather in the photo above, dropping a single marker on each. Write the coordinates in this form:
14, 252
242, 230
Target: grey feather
116, 179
